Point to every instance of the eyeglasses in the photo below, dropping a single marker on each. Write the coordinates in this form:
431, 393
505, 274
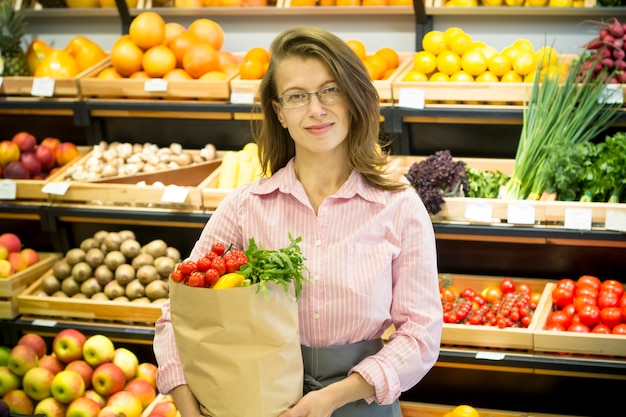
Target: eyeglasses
327, 96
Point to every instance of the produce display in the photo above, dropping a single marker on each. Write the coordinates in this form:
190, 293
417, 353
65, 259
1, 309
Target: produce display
606, 51
25, 157
113, 266
239, 167
380, 64
76, 376
588, 305
13, 256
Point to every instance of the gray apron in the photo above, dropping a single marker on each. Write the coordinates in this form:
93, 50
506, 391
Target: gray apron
323, 366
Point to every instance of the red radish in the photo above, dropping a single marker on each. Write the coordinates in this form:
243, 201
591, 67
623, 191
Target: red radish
619, 54
616, 29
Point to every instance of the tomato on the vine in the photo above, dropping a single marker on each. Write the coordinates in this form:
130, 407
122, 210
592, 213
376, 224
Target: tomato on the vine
448, 294
507, 285
491, 294
468, 293
203, 264
196, 279
220, 265
187, 267
524, 287
218, 248
210, 277
176, 276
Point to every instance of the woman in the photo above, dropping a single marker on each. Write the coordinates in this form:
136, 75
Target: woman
368, 240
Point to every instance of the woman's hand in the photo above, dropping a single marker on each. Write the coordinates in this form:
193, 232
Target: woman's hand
314, 404
186, 402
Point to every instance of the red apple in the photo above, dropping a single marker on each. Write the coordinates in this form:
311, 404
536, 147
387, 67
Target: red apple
111, 411
108, 378
147, 371
50, 143
34, 341
16, 170
83, 407
25, 141
31, 163
126, 401
83, 368
127, 361
46, 158
65, 152
21, 359
9, 152
30, 255
98, 349
17, 261
11, 241
19, 402
51, 407
165, 407
68, 344
67, 386
143, 390
8, 380
37, 383
97, 397
51, 362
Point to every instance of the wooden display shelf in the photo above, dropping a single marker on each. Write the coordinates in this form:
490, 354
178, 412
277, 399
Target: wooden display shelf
15, 284
417, 409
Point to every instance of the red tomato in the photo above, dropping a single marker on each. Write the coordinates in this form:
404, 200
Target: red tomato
562, 296
586, 290
524, 288
589, 280
220, 265
479, 299
176, 276
468, 293
611, 316
203, 264
589, 315
555, 327
612, 285
218, 248
569, 309
210, 277
580, 302
623, 310
507, 285
568, 283
448, 295
491, 294
579, 327
619, 329
187, 267
196, 279
622, 301
601, 328
608, 299
559, 317
232, 265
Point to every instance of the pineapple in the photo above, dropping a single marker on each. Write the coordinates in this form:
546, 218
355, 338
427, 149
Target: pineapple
11, 33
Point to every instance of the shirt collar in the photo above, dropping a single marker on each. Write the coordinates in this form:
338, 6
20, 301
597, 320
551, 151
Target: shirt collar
285, 181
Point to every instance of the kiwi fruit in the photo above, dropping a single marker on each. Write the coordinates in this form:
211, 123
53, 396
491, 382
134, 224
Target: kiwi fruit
103, 274
156, 248
88, 243
61, 269
100, 296
100, 235
141, 260
94, 257
112, 241
127, 235
146, 274
69, 286
74, 256
141, 300
81, 271
130, 248
164, 266
90, 286
173, 253
121, 299
113, 290
114, 259
80, 296
60, 294
159, 301
134, 289
157, 289
124, 274
50, 284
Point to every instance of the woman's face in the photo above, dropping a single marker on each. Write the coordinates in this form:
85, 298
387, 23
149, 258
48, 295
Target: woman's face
315, 127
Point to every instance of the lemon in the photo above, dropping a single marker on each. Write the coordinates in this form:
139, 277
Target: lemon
536, 3
415, 75
499, 64
514, 2
434, 41
547, 56
487, 77
555, 70
474, 62
524, 45
510, 51
488, 51
561, 3
439, 77
448, 62
530, 77
451, 32
460, 43
525, 62
425, 61
462, 76
492, 3
465, 411
511, 76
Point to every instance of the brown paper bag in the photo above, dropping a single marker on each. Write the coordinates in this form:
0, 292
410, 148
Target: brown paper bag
240, 352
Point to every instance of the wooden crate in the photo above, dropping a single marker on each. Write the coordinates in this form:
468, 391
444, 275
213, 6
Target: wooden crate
126, 190
14, 285
205, 90
31, 302
418, 409
572, 342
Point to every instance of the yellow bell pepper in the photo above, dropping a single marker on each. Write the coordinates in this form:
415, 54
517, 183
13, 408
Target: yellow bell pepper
230, 280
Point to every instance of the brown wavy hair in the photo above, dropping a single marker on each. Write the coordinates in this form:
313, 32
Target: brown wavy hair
365, 139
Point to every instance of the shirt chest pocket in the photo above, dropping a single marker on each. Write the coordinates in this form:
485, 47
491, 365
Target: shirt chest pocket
369, 267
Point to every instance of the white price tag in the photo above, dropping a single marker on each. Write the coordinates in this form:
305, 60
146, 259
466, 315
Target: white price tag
44, 323
492, 356
8, 190
57, 188
612, 94
577, 218
42, 87
481, 212
521, 213
242, 98
615, 220
174, 194
412, 98
155, 84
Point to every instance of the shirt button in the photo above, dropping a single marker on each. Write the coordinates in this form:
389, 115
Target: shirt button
324, 209
316, 316
318, 242
316, 278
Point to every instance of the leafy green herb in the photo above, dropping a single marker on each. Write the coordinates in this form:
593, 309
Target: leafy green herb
567, 169
281, 266
485, 184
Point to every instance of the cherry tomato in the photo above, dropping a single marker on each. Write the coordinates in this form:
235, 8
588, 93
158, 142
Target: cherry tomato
203, 264
468, 293
535, 297
562, 296
589, 315
608, 299
176, 276
218, 248
187, 267
619, 329
611, 316
448, 294
524, 287
559, 317
232, 265
507, 285
220, 265
196, 279
491, 294
479, 299
579, 327
568, 283
589, 280
612, 285
210, 277
601, 328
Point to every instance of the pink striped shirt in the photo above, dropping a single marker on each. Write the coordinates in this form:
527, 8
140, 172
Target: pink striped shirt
372, 261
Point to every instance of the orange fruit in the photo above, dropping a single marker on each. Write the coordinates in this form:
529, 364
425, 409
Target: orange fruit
415, 76
374, 3
172, 29
347, 3
109, 74
378, 65
448, 62
227, 58
126, 57
251, 70
474, 62
301, 3
213, 75
200, 58
158, 61
142, 75
358, 47
258, 54
177, 74
390, 56
434, 41
425, 61
147, 29
179, 45
209, 31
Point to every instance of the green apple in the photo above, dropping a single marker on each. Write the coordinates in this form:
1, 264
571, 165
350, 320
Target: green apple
4, 354
8, 380
67, 386
51, 407
21, 359
37, 383
68, 344
98, 349
108, 379
83, 407
127, 361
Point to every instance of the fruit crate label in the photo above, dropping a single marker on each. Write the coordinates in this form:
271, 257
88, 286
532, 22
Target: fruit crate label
521, 213
57, 188
615, 220
156, 84
174, 194
492, 356
612, 94
8, 190
577, 218
412, 98
479, 211
42, 87
242, 98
